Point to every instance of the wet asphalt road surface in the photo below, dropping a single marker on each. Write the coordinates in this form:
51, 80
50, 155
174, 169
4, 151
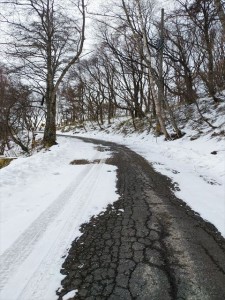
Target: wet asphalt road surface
149, 245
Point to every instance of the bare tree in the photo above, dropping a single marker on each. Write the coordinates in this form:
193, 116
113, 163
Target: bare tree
15, 110
139, 17
202, 16
220, 6
47, 40
179, 57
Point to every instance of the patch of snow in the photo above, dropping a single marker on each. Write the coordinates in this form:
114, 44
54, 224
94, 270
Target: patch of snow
70, 295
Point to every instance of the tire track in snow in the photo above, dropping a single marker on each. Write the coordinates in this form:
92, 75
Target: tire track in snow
15, 255
37, 287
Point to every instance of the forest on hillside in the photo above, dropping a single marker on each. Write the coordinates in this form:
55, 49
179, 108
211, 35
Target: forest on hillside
146, 64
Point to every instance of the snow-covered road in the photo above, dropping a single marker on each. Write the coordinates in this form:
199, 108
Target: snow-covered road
42, 213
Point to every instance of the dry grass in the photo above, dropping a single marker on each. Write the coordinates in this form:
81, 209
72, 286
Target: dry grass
4, 162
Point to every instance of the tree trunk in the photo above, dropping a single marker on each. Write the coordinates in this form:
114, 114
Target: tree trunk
173, 120
211, 84
133, 119
190, 94
160, 98
110, 111
158, 109
50, 127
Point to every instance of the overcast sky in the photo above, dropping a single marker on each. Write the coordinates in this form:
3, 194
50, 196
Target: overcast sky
96, 6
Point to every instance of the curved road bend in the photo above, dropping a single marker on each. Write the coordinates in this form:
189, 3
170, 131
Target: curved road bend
148, 245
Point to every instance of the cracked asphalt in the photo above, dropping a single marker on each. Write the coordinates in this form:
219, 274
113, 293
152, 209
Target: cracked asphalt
149, 245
